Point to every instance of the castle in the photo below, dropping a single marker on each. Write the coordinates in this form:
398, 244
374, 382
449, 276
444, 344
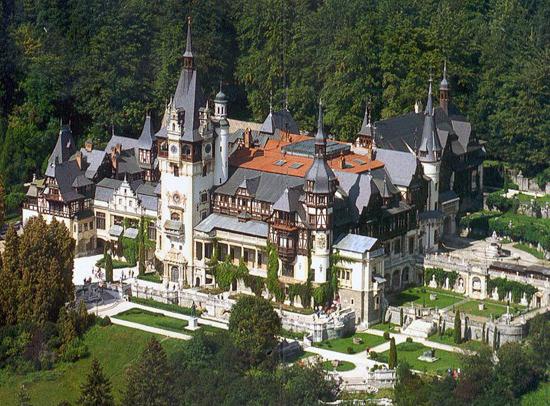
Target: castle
204, 183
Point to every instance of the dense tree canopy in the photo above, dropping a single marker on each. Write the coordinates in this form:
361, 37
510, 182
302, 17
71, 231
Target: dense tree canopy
104, 63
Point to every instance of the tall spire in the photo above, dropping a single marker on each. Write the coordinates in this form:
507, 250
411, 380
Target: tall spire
444, 90
429, 102
444, 85
430, 145
320, 137
188, 54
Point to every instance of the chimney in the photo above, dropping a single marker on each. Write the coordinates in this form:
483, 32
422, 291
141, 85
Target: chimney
342, 162
89, 145
78, 159
247, 138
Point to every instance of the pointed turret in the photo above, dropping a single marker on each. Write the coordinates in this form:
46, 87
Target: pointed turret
430, 145
320, 137
320, 178
64, 148
444, 90
366, 127
188, 54
188, 98
147, 137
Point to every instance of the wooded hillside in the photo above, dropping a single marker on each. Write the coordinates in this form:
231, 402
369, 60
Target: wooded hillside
103, 63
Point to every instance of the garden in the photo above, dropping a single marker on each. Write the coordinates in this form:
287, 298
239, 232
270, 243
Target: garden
420, 296
353, 344
410, 351
339, 366
151, 319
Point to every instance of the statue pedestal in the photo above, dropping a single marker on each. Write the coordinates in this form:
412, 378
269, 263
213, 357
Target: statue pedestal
193, 324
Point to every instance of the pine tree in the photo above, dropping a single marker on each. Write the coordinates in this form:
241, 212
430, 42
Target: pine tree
10, 278
2, 202
458, 328
149, 381
108, 268
96, 391
392, 358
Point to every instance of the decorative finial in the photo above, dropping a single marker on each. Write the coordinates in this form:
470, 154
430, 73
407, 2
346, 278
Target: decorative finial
445, 68
270, 102
369, 111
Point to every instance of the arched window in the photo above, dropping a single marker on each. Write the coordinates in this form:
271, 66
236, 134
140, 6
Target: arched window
186, 150
175, 216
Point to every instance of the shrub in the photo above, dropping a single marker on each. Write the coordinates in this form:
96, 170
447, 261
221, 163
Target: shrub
350, 350
410, 346
75, 350
409, 340
104, 321
373, 355
386, 335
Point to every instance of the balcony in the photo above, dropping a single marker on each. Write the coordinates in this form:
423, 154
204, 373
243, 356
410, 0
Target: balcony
286, 254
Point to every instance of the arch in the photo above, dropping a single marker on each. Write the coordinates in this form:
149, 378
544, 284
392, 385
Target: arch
476, 284
388, 281
396, 279
405, 276
234, 285
174, 273
197, 282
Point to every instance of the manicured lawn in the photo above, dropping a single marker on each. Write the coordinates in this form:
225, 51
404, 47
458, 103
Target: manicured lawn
421, 296
538, 397
165, 306
115, 347
157, 320
410, 352
472, 307
530, 250
344, 366
151, 277
472, 345
342, 344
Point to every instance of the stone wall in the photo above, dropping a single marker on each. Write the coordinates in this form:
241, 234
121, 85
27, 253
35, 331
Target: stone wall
338, 324
527, 184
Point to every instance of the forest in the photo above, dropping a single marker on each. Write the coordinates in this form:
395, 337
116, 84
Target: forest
100, 65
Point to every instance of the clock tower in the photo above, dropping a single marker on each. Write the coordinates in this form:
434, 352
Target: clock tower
186, 163
320, 187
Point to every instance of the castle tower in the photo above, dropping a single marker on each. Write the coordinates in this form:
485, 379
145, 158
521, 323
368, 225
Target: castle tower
186, 163
444, 90
320, 186
220, 105
429, 154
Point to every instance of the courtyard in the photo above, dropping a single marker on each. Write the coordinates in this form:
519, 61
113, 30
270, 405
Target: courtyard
409, 352
420, 296
344, 345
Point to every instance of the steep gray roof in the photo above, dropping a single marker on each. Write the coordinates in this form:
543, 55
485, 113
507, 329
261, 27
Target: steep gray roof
430, 144
65, 174
145, 191
126, 142
279, 120
145, 140
319, 172
189, 98
64, 148
356, 243
289, 201
269, 188
366, 127
401, 166
216, 221
94, 159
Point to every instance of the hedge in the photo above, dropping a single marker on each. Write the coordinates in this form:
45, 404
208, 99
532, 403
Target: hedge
440, 276
505, 286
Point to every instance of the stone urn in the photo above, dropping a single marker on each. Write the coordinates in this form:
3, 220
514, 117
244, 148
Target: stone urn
433, 296
357, 340
481, 306
335, 363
